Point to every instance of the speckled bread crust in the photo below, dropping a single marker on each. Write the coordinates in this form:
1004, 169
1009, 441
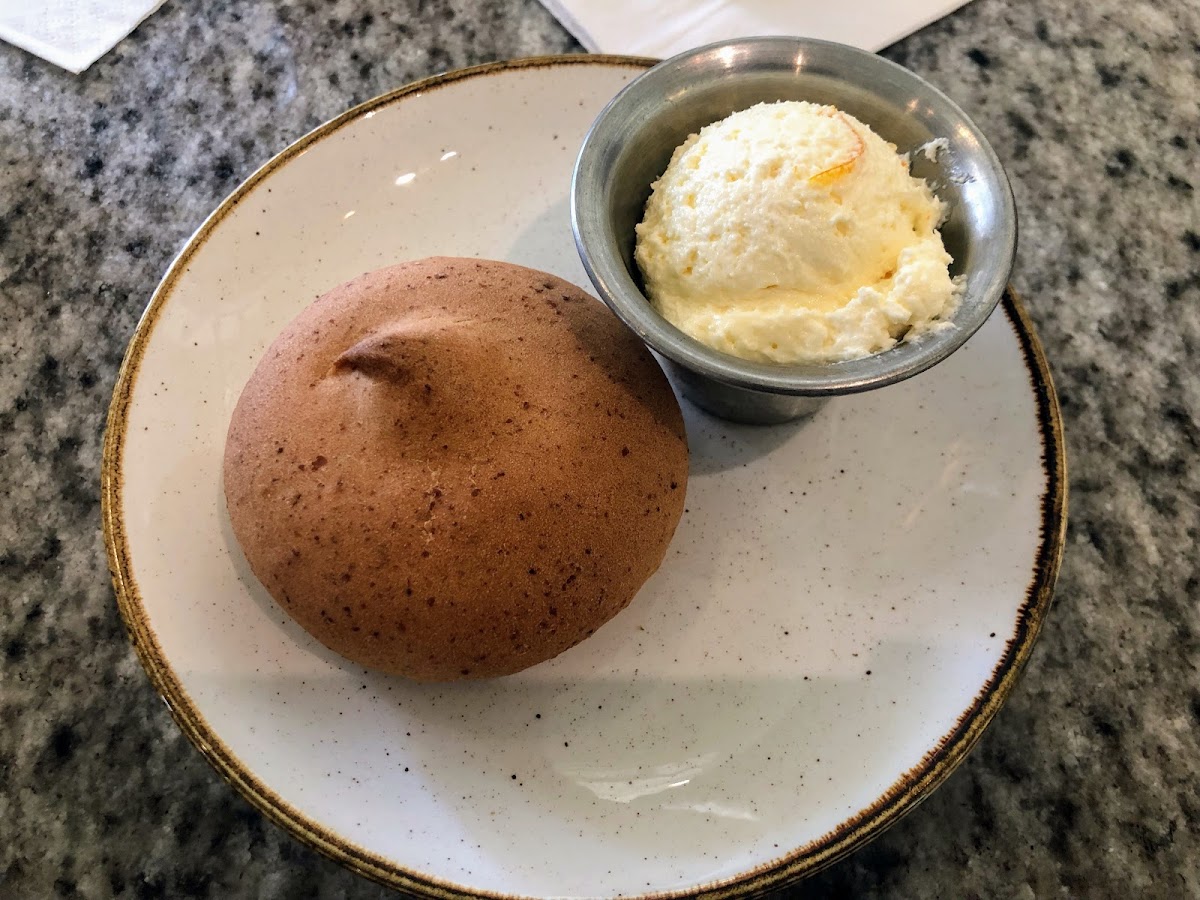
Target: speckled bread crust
455, 468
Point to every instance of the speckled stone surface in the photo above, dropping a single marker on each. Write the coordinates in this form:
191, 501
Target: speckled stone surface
1086, 783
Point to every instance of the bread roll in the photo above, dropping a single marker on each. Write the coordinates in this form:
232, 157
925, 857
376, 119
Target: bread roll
455, 468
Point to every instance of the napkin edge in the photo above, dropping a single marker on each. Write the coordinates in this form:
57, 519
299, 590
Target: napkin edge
943, 9
567, 19
75, 62
658, 48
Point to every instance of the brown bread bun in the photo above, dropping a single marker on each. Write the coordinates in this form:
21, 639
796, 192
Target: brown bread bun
455, 468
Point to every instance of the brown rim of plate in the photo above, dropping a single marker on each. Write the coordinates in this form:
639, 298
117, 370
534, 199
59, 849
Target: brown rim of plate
903, 796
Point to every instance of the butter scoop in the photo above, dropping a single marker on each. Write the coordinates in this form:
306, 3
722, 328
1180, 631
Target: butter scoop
791, 233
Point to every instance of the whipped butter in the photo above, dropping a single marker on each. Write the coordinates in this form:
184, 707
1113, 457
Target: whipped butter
792, 233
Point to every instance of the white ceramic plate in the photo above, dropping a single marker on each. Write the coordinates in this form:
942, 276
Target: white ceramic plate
843, 609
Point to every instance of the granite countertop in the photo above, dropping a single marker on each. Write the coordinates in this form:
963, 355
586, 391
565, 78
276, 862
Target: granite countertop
1085, 784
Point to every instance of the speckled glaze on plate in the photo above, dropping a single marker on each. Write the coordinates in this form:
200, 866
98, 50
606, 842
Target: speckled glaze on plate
843, 609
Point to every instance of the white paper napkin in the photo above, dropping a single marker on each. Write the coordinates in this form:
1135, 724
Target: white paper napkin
71, 33
666, 27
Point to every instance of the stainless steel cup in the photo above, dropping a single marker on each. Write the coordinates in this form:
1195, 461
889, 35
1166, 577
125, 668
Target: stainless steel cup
633, 138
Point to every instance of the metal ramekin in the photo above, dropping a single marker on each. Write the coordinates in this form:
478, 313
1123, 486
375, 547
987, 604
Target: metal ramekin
631, 141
